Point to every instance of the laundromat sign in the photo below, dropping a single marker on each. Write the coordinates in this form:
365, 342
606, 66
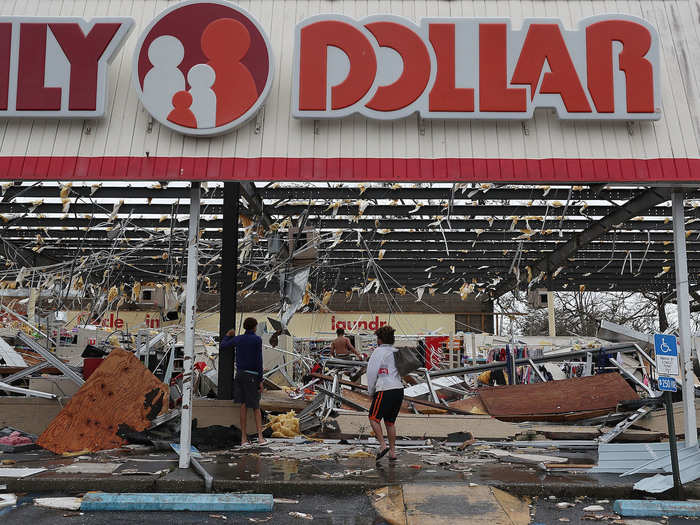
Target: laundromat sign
205, 67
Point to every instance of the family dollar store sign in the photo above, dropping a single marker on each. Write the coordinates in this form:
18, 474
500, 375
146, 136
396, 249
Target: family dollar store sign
57, 67
385, 67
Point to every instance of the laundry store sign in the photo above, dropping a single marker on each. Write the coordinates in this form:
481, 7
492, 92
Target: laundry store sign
386, 67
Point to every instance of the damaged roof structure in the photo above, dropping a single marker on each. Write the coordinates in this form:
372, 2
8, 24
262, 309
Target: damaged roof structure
467, 239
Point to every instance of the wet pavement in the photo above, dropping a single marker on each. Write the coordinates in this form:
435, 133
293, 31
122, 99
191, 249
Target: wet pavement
285, 468
545, 512
325, 509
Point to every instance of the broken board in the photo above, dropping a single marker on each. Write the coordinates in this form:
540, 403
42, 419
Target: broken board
365, 400
121, 393
568, 399
473, 405
432, 426
449, 504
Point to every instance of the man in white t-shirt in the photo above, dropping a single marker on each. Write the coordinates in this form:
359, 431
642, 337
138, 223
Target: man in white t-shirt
384, 384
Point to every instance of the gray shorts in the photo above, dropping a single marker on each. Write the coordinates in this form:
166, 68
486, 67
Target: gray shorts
246, 390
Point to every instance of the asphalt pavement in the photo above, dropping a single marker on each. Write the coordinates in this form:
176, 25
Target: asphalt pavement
328, 509
325, 509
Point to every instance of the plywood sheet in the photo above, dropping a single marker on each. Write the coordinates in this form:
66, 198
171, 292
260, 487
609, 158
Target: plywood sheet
433, 426
30, 414
121, 392
569, 396
472, 405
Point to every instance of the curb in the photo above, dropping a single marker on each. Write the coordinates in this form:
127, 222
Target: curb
290, 488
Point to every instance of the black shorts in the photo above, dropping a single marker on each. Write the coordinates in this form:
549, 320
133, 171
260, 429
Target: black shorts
386, 405
246, 390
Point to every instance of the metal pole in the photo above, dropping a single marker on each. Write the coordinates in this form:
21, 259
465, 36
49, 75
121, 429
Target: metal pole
191, 305
228, 285
473, 349
677, 485
550, 312
683, 301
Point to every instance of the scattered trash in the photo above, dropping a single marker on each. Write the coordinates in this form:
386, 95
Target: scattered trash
66, 503
19, 472
7, 500
285, 501
565, 505
13, 440
285, 425
301, 515
82, 467
593, 508
260, 520
218, 516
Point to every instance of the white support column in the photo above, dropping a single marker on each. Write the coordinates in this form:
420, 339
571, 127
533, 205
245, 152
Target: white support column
191, 310
550, 312
683, 301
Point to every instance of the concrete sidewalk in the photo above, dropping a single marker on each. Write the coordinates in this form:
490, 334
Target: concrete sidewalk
266, 470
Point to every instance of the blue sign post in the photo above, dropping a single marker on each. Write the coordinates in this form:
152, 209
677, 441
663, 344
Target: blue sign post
666, 350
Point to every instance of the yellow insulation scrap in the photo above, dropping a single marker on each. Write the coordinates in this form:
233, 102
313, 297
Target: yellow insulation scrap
285, 425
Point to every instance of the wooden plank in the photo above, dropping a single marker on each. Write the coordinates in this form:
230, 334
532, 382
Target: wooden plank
471, 405
97, 501
222, 412
568, 396
120, 393
31, 415
365, 400
433, 426
655, 421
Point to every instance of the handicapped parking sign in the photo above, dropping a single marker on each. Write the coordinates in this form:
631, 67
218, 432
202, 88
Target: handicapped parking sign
666, 350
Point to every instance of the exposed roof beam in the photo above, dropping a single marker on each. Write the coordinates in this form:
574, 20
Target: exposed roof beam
647, 199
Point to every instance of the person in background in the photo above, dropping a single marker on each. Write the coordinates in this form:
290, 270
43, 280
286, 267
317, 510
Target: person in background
248, 381
384, 384
341, 346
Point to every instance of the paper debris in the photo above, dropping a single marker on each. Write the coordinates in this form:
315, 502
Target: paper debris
59, 503
593, 508
19, 472
7, 500
301, 515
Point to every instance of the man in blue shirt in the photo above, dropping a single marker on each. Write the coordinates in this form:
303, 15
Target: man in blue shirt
248, 381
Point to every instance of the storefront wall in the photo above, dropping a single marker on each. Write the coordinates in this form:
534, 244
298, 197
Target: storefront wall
128, 144
301, 325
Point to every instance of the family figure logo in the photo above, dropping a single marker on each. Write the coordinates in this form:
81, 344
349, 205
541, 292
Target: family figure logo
203, 67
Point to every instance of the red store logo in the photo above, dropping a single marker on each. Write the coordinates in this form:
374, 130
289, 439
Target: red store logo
386, 67
203, 67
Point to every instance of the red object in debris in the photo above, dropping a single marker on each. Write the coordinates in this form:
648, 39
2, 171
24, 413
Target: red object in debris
15, 438
433, 351
90, 364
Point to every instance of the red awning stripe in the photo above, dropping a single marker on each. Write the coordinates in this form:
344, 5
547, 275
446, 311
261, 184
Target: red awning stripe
350, 169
